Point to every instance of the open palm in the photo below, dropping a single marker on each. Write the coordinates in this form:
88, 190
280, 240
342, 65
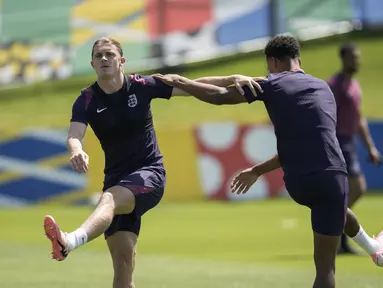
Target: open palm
243, 181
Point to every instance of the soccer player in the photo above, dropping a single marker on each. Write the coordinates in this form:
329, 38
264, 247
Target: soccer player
350, 124
302, 109
117, 107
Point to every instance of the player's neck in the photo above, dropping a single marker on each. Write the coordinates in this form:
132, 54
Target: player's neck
111, 85
295, 69
291, 66
348, 74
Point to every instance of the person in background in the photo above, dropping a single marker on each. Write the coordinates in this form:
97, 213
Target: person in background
350, 124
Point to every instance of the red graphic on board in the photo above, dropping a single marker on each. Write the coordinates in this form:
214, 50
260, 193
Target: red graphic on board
165, 16
223, 152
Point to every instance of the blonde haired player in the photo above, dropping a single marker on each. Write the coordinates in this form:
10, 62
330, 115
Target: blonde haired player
117, 107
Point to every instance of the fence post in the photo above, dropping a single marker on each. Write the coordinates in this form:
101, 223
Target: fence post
157, 46
274, 19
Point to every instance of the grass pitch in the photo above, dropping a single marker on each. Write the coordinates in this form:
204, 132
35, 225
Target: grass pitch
259, 244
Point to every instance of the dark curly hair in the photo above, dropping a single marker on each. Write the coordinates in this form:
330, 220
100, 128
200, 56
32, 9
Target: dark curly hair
282, 47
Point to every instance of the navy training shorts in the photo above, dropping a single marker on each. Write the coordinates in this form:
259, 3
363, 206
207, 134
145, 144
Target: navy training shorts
326, 194
350, 154
148, 187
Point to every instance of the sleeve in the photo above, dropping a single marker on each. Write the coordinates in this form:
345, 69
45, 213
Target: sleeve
250, 97
156, 88
79, 110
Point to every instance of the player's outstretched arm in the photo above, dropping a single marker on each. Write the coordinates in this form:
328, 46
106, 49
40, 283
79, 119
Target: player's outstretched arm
205, 92
226, 81
79, 159
239, 81
221, 81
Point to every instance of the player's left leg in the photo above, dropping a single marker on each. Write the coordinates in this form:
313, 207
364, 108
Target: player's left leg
122, 235
122, 247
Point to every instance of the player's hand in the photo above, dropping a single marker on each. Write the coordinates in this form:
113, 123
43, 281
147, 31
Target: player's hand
79, 161
243, 181
168, 79
374, 156
251, 82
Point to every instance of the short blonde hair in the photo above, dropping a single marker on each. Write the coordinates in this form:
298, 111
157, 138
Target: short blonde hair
106, 40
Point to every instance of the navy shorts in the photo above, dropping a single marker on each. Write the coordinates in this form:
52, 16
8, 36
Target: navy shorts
350, 154
326, 194
147, 186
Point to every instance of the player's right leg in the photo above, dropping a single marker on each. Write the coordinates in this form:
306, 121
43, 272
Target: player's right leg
328, 215
326, 195
115, 200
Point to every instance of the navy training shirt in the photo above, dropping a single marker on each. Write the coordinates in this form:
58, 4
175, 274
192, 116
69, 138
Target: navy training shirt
303, 111
122, 122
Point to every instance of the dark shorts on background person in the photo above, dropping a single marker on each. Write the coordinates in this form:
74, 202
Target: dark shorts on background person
349, 149
326, 194
148, 187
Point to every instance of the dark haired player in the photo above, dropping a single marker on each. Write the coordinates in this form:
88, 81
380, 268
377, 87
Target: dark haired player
302, 109
117, 107
350, 124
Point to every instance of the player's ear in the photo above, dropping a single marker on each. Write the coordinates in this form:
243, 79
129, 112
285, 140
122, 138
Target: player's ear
123, 60
91, 63
300, 61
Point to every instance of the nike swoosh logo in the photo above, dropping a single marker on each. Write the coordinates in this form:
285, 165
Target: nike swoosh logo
100, 110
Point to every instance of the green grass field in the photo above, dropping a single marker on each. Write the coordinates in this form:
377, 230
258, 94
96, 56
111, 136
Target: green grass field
264, 244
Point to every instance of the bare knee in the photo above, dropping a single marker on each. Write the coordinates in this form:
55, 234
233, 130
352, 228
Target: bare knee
122, 198
107, 205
